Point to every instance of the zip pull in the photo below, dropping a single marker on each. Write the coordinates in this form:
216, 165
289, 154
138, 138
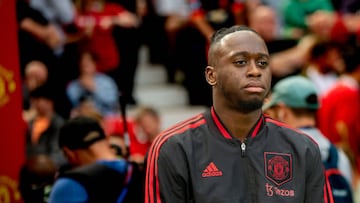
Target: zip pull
243, 148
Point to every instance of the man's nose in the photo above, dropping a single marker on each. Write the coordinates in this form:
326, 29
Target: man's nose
253, 69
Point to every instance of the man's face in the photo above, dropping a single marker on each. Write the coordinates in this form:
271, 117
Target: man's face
263, 20
150, 125
87, 64
42, 105
242, 72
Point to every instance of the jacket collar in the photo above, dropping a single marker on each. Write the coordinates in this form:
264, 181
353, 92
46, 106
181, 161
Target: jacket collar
226, 134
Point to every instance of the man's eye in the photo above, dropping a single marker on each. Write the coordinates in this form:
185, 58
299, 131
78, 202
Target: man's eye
240, 62
263, 63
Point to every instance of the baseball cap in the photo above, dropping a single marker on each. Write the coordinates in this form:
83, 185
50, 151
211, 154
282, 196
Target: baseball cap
295, 92
80, 132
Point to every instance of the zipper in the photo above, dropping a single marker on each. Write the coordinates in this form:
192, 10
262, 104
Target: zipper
243, 148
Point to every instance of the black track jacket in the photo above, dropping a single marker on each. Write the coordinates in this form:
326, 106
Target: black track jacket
199, 161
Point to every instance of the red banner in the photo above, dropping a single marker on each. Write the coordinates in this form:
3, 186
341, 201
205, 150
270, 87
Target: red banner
11, 124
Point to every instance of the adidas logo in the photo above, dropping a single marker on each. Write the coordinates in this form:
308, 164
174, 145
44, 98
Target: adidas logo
211, 171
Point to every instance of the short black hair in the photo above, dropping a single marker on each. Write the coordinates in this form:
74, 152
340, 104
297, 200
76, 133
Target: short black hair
43, 91
221, 33
351, 56
321, 47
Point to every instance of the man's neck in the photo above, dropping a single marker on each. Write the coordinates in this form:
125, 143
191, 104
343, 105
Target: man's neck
238, 124
304, 122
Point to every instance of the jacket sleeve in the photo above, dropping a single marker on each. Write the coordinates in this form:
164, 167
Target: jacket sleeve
166, 175
315, 176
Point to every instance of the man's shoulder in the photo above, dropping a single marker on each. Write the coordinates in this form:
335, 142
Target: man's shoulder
285, 131
99, 180
66, 189
181, 130
96, 169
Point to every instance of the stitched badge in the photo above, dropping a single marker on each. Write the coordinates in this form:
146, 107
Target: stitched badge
278, 167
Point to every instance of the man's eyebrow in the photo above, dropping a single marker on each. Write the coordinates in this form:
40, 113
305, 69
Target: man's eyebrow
245, 53
264, 55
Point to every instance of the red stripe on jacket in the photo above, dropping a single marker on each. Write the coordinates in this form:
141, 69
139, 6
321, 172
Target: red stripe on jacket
151, 168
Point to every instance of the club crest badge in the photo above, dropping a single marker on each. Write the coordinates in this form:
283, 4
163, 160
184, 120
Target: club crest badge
278, 167
9, 192
7, 85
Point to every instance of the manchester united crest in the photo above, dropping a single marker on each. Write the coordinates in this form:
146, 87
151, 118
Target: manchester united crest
9, 190
278, 167
7, 85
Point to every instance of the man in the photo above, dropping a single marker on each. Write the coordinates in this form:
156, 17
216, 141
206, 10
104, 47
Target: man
36, 177
98, 175
43, 127
295, 101
233, 153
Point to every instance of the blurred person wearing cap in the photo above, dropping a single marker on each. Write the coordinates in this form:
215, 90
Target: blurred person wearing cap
294, 100
96, 173
43, 128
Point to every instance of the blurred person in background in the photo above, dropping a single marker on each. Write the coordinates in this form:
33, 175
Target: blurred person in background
148, 126
36, 75
325, 65
338, 25
60, 14
148, 120
43, 128
43, 37
276, 6
96, 21
297, 12
37, 175
162, 23
37, 36
96, 174
138, 132
128, 40
93, 86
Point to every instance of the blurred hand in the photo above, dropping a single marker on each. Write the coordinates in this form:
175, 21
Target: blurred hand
127, 19
88, 83
89, 29
174, 23
321, 23
106, 22
52, 36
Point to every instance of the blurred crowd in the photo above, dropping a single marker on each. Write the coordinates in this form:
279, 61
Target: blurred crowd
80, 57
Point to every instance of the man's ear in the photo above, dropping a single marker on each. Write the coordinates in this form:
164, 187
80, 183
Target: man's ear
69, 154
210, 75
283, 112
